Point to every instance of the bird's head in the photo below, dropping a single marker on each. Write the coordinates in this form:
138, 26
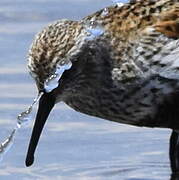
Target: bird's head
51, 54
63, 59
53, 46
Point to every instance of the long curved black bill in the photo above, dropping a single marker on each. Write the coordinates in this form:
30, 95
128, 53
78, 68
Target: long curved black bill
46, 103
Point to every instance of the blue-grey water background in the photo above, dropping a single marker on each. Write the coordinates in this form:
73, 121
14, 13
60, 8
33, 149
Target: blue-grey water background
73, 146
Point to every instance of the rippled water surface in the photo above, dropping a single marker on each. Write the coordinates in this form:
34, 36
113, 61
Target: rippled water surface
73, 145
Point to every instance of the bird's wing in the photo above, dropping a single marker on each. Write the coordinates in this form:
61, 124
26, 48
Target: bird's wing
169, 22
158, 44
143, 36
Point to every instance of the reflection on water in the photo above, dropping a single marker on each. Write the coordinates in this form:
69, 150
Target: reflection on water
73, 145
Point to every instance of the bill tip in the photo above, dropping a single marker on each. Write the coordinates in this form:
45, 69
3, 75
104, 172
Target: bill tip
29, 161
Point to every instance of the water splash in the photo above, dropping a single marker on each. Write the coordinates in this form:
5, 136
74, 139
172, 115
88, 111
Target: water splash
93, 29
118, 3
25, 117
53, 81
6, 145
105, 12
22, 119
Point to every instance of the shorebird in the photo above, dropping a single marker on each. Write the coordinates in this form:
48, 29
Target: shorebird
120, 64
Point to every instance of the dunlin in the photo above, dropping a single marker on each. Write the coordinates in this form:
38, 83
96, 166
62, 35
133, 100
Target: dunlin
120, 64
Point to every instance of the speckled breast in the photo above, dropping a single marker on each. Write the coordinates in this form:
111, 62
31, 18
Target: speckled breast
143, 90
153, 102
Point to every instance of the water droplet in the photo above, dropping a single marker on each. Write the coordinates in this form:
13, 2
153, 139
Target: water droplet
53, 81
105, 12
118, 2
94, 29
62, 67
22, 119
6, 145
